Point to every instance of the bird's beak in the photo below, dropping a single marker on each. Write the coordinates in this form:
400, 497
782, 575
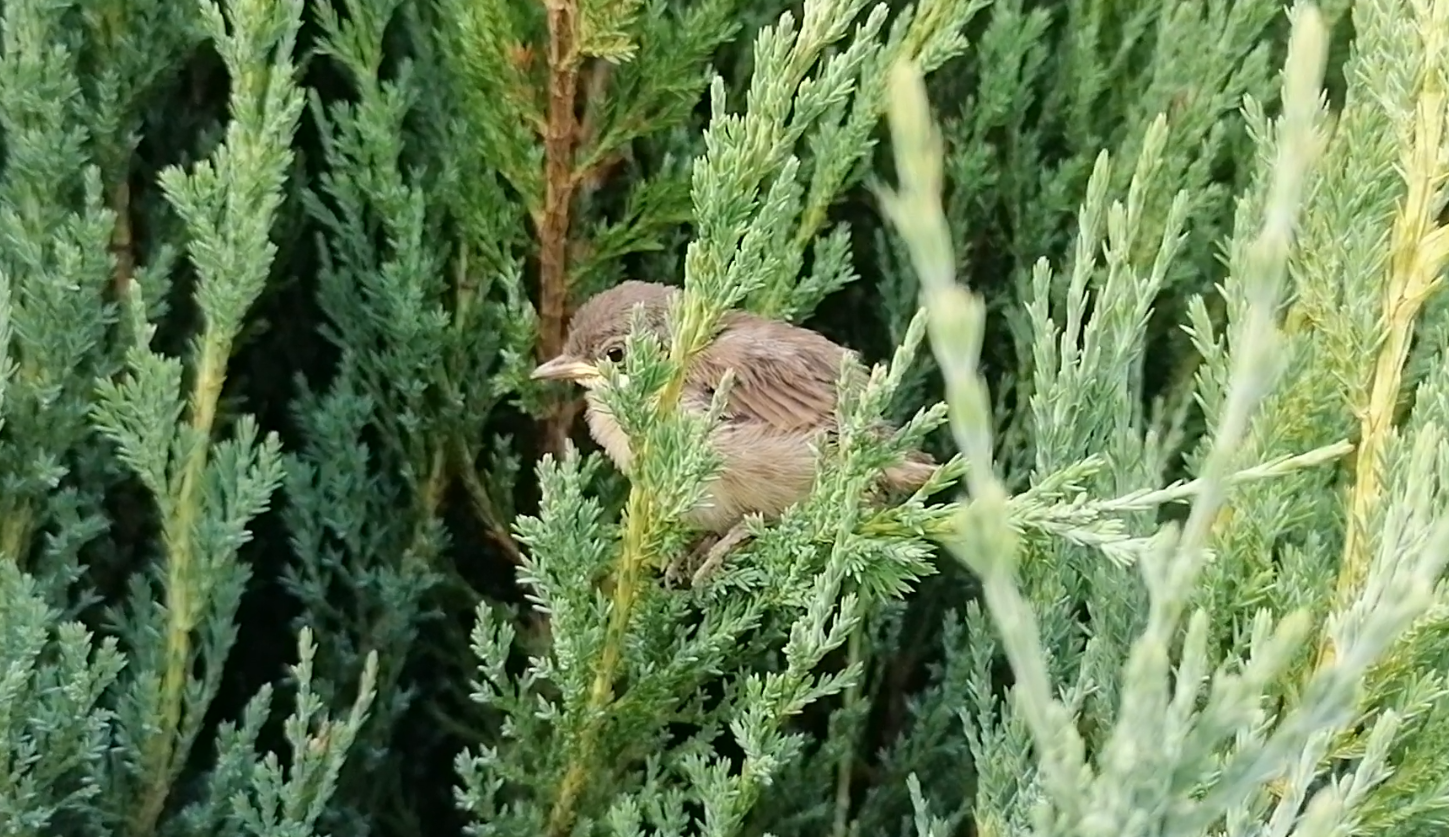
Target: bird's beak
565, 368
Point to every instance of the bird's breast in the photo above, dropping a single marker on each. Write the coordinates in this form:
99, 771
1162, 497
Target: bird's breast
606, 431
763, 471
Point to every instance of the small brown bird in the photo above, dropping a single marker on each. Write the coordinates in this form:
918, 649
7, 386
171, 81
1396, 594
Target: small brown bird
781, 402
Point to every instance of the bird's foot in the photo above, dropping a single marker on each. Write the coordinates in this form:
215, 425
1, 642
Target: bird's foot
706, 557
683, 566
721, 550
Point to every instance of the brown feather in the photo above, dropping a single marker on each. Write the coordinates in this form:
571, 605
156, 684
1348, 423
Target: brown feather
785, 376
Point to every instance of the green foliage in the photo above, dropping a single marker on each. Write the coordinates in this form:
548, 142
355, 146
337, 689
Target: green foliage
54, 270
69, 399
56, 732
274, 276
1177, 731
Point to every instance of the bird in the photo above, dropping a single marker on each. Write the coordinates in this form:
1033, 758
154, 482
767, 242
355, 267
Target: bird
780, 406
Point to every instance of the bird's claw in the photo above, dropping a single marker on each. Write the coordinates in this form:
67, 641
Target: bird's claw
705, 558
683, 566
720, 551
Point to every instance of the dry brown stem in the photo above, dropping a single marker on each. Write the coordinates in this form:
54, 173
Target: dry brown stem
560, 139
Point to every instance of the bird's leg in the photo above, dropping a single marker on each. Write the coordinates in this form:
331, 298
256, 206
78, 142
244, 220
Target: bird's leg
705, 557
737, 535
685, 564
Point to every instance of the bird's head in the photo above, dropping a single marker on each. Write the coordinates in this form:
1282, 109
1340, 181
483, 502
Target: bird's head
600, 328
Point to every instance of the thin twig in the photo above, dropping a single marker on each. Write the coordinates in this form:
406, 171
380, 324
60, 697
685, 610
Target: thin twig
122, 246
483, 506
845, 767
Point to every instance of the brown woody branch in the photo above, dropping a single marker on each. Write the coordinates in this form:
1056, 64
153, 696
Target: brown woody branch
560, 138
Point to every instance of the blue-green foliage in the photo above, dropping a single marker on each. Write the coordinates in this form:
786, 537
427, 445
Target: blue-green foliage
273, 277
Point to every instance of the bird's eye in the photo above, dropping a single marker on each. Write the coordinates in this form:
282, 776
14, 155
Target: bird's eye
615, 355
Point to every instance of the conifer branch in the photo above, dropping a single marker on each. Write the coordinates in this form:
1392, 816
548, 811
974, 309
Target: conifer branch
16, 533
122, 246
53, 227
590, 173
228, 203
486, 510
1419, 251
930, 21
561, 133
159, 759
643, 516
845, 765
628, 577
465, 291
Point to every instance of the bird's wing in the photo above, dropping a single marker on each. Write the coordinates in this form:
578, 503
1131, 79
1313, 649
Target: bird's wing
784, 376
